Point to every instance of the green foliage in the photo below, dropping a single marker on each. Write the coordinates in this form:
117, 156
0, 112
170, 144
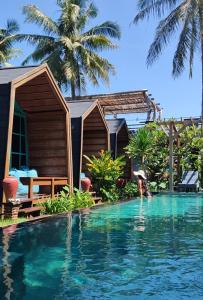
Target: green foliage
111, 194
81, 199
104, 170
66, 202
158, 186
8, 36
149, 146
155, 145
71, 48
185, 15
140, 145
130, 190
191, 145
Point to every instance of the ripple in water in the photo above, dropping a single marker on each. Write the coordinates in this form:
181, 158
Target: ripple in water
142, 249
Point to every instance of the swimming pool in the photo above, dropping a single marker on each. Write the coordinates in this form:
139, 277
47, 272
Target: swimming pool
141, 249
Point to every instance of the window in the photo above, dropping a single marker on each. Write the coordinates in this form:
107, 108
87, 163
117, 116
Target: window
19, 153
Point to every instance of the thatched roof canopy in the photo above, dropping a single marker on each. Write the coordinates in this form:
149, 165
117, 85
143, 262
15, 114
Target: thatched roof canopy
123, 102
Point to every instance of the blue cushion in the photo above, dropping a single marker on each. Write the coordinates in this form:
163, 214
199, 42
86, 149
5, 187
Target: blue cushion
23, 189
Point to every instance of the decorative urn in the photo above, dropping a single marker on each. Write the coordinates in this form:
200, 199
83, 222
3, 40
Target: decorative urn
10, 187
86, 184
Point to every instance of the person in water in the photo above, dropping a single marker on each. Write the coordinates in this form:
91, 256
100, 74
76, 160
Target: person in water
142, 184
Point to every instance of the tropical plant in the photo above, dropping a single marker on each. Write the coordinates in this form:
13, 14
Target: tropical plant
190, 150
149, 147
70, 48
130, 190
105, 171
110, 194
8, 36
67, 201
140, 145
81, 199
158, 186
186, 17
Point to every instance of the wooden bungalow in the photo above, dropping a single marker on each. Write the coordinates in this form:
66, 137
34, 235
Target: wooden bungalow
34, 124
119, 139
90, 134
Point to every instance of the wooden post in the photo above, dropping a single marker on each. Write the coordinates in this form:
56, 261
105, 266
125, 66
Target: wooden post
171, 157
178, 160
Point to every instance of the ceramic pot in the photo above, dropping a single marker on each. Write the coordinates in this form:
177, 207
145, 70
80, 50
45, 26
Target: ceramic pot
10, 187
85, 184
120, 182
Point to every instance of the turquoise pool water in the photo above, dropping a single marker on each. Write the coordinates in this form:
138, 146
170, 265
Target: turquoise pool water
150, 249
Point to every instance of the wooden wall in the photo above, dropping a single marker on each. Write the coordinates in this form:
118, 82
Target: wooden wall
47, 143
46, 127
95, 136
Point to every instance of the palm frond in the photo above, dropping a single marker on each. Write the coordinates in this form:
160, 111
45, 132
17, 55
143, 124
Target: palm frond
187, 43
12, 27
108, 29
34, 15
157, 8
97, 42
164, 31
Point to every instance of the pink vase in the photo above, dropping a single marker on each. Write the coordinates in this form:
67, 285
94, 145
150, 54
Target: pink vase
120, 182
85, 184
10, 187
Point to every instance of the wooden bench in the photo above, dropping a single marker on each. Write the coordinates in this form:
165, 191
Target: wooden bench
51, 182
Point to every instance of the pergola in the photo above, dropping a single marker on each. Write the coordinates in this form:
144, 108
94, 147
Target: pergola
126, 103
173, 128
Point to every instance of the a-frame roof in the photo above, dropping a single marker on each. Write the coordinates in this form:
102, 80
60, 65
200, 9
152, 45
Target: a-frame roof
77, 109
9, 74
115, 125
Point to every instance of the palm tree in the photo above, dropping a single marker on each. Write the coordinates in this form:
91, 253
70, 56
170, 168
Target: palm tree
140, 145
8, 36
186, 17
70, 49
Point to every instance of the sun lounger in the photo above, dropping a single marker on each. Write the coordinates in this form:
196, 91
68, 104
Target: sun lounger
190, 182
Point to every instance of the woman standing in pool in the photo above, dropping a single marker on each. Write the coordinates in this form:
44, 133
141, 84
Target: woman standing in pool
142, 184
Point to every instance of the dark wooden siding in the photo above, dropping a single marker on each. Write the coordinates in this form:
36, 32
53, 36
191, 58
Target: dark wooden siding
47, 143
122, 142
113, 144
95, 136
76, 149
4, 122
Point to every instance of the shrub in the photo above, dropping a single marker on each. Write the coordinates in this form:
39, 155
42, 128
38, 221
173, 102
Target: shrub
155, 187
66, 202
130, 190
105, 171
111, 194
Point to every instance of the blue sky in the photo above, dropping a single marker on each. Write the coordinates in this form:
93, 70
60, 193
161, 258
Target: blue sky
179, 98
